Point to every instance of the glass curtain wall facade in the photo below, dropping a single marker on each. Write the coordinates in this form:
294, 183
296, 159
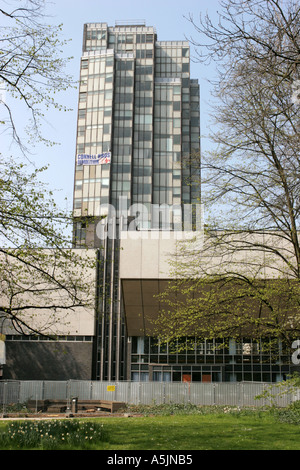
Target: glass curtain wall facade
139, 109
193, 360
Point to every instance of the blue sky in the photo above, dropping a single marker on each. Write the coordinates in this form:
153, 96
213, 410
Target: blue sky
169, 17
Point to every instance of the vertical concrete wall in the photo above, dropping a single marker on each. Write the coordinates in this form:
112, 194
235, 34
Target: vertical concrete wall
47, 360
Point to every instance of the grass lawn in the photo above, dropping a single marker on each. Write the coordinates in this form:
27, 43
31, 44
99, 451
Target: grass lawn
194, 432
208, 432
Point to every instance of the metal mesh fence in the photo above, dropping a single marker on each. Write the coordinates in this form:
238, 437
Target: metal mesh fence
147, 393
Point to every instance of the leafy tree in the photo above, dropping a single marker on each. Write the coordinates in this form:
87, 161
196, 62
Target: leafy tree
31, 67
43, 281
245, 279
288, 387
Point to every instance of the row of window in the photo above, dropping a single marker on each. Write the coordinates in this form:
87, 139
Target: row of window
47, 338
170, 57
256, 373
82, 113
172, 51
162, 106
103, 181
95, 34
130, 38
178, 359
210, 377
106, 76
107, 61
144, 54
191, 346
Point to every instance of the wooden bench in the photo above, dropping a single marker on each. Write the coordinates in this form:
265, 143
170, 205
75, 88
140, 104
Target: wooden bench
60, 406
112, 406
50, 406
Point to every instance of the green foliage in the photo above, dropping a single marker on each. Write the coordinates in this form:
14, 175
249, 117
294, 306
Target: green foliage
280, 389
32, 66
38, 268
170, 409
244, 279
290, 414
20, 408
221, 305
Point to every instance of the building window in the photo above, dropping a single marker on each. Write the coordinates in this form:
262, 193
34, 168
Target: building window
82, 114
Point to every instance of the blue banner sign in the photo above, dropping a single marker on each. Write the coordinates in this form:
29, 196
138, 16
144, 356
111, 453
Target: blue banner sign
97, 159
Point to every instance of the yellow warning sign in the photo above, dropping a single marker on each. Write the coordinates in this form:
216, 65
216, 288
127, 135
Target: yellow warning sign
111, 388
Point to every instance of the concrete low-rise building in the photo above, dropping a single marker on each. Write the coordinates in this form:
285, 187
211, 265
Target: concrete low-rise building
49, 335
65, 348
146, 269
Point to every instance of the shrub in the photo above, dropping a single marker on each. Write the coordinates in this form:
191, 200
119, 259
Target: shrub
290, 414
17, 408
168, 409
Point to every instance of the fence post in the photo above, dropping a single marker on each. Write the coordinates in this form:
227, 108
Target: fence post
241, 401
4, 397
68, 394
128, 392
19, 391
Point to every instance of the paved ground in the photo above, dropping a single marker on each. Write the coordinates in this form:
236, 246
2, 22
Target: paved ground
104, 414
